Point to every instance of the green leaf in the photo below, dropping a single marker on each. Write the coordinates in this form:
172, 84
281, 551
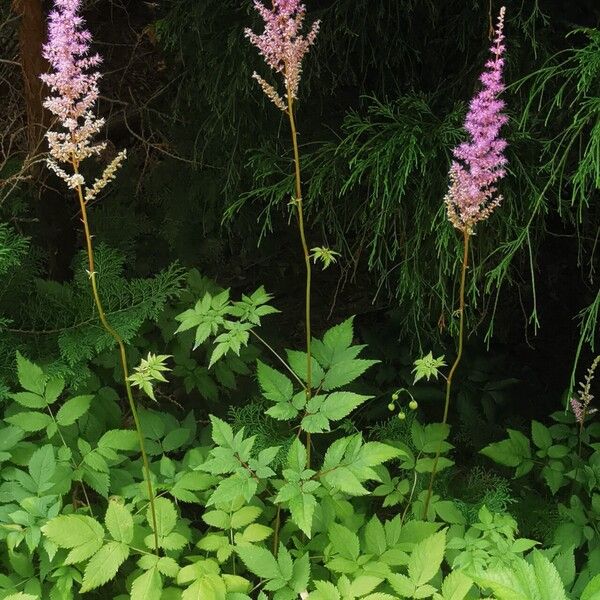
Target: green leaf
315, 423
30, 421
274, 385
344, 541
282, 411
31, 377
505, 453
29, 399
426, 558
339, 337
340, 404
540, 435
119, 522
42, 467
345, 372
175, 439
80, 533
302, 508
222, 434
325, 591
119, 439
456, 586
166, 516
549, 583
299, 362
255, 532
103, 566
376, 453
592, 589
73, 409
244, 516
260, 561
375, 541
402, 585
147, 586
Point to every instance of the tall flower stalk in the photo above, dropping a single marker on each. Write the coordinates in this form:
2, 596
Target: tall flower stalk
73, 84
472, 196
283, 47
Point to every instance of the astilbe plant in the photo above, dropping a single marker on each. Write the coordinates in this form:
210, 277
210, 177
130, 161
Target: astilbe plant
479, 164
283, 47
73, 84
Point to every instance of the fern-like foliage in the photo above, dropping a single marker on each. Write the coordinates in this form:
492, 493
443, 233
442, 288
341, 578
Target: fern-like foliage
59, 320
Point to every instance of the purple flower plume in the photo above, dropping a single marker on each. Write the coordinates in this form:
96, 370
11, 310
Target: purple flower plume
282, 45
480, 162
74, 92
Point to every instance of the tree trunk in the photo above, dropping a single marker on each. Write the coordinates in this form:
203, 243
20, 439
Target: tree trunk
32, 34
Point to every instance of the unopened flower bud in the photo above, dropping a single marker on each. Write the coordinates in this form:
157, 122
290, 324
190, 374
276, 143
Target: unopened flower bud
395, 396
413, 405
391, 406
402, 415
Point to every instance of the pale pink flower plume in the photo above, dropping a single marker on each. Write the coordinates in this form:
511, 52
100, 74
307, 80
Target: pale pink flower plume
74, 92
480, 162
282, 45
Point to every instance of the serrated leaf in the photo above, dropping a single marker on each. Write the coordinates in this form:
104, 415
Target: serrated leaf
274, 385
344, 541
375, 542
340, 404
119, 522
119, 439
255, 532
73, 409
29, 399
315, 423
260, 561
175, 439
376, 453
302, 508
402, 585
456, 586
222, 434
103, 566
540, 435
31, 377
166, 516
325, 591
30, 421
298, 361
592, 589
42, 466
426, 558
80, 533
549, 583
345, 372
147, 586
244, 516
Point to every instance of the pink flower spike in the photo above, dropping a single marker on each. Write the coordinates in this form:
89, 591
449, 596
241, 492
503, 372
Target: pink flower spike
282, 44
480, 162
577, 409
73, 95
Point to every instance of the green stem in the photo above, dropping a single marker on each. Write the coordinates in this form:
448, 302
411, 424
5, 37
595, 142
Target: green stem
299, 207
112, 332
461, 310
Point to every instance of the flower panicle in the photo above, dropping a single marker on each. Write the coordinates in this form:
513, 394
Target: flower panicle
580, 405
73, 85
282, 44
480, 162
